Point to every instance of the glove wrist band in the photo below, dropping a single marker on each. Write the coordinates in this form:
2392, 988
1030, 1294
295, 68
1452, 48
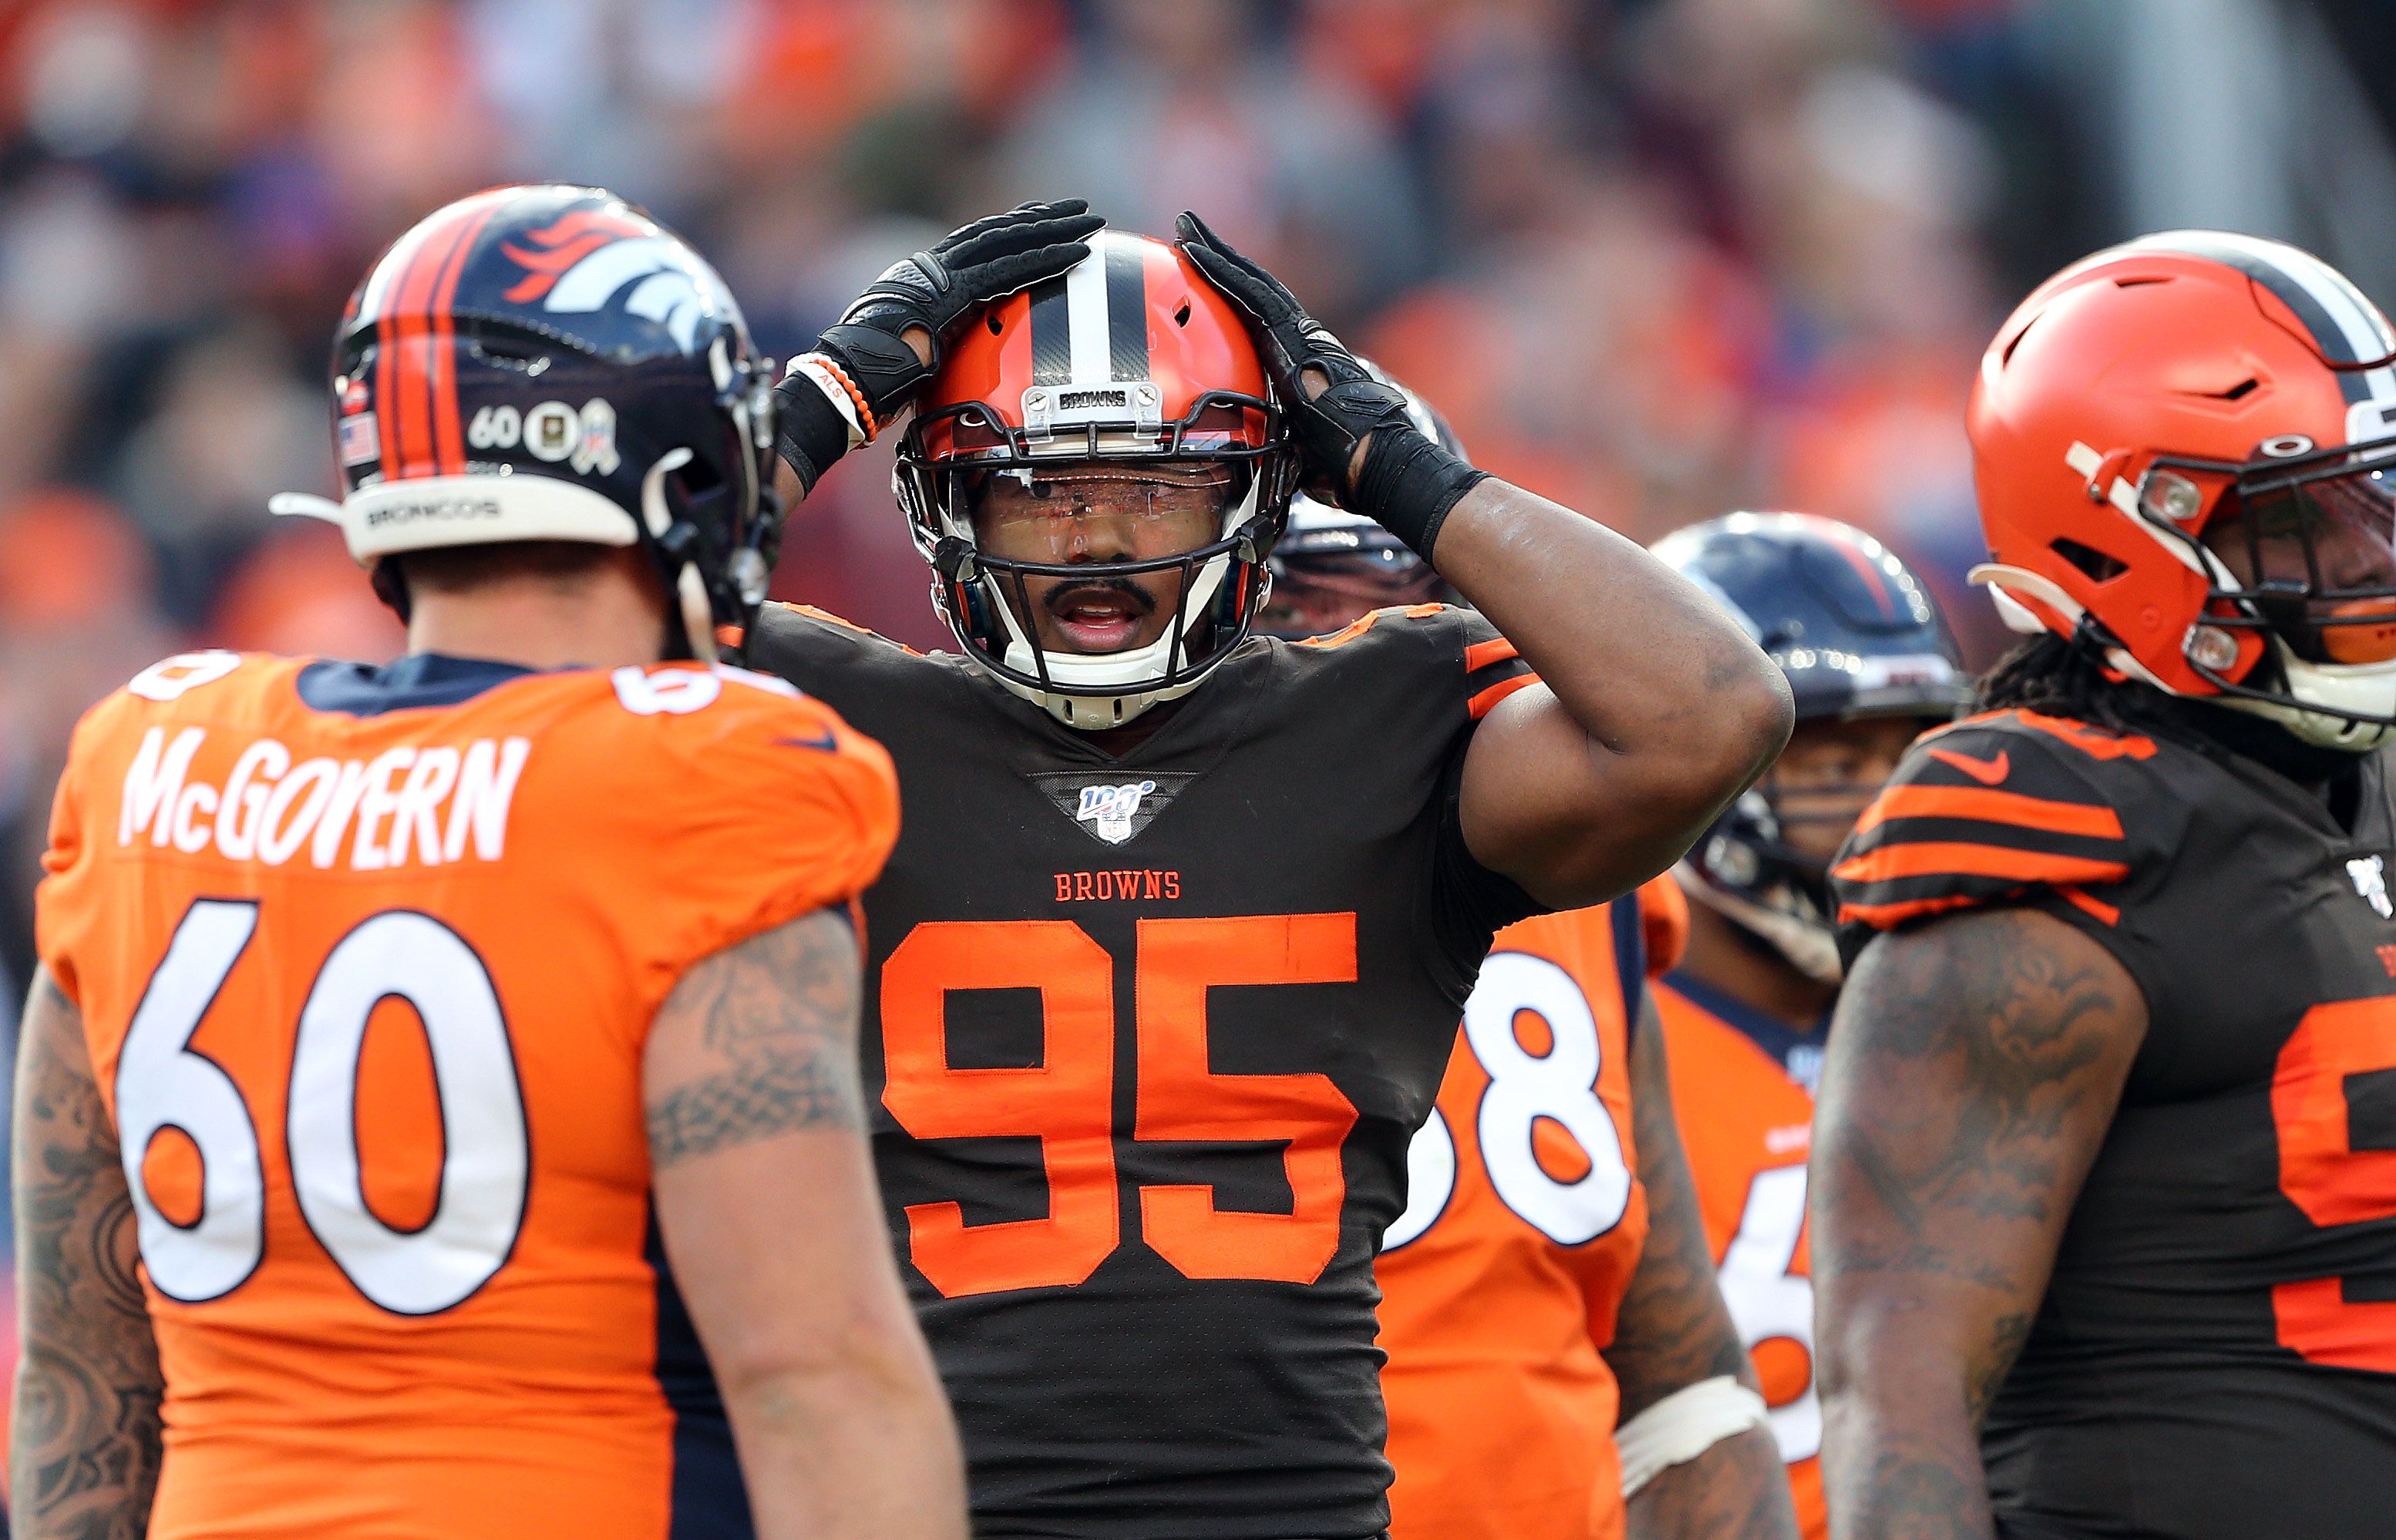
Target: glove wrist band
1409, 484
816, 421
843, 394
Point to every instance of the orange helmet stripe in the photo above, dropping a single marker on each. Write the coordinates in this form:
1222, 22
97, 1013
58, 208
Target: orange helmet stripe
449, 438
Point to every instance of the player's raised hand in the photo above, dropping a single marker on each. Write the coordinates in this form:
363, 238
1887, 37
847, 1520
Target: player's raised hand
1400, 478
1332, 402
933, 292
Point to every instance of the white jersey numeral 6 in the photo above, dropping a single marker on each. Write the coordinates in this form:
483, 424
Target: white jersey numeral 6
163, 1083
1560, 1085
1766, 1300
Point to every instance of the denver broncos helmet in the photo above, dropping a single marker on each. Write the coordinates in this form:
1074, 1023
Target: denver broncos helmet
1857, 636
1130, 356
548, 363
2182, 447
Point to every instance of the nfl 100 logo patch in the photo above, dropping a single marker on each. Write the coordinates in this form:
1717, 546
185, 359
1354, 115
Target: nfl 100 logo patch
1115, 810
1110, 809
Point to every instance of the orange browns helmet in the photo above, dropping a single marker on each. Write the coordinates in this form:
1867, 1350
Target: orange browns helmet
1130, 355
2186, 385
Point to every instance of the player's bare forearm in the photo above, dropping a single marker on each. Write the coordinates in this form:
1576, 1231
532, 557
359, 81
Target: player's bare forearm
1657, 708
766, 1203
83, 1447
1738, 1489
1672, 1331
1975, 1065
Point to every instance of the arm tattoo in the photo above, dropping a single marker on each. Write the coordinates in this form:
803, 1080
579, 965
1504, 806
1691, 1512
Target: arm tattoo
1674, 1331
1975, 1068
86, 1445
776, 1016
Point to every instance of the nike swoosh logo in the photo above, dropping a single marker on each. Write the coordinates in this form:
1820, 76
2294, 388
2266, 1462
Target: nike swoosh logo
1988, 772
824, 741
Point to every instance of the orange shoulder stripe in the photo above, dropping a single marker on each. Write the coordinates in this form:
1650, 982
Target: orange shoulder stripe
1881, 916
1480, 705
2102, 911
2095, 742
1960, 858
1480, 654
1986, 806
1348, 632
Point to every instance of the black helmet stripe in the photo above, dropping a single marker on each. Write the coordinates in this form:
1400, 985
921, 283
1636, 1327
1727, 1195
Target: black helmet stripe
2347, 327
1052, 342
1126, 310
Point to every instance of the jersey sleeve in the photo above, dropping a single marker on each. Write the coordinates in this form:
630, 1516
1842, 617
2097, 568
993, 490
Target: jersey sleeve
777, 808
65, 905
1475, 902
2013, 810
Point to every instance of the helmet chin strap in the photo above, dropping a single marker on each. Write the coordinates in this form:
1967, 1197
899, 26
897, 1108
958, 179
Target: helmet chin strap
689, 587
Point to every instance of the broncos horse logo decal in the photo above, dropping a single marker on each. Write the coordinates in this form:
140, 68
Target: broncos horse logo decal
589, 257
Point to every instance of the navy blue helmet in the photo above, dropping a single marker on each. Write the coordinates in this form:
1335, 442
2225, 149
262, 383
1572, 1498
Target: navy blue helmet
1857, 637
548, 363
1330, 566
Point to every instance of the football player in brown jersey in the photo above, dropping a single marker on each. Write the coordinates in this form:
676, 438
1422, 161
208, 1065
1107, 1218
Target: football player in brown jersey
1168, 962
2104, 1209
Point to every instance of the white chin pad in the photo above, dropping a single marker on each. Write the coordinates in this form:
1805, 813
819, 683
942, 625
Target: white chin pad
2329, 690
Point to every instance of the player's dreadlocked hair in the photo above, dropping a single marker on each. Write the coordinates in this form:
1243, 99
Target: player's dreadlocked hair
2060, 676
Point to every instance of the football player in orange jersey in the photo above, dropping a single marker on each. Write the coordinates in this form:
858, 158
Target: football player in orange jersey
397, 1026
1549, 1268
1871, 664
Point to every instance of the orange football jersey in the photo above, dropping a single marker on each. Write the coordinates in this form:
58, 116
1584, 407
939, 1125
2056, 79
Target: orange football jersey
1524, 1224
1743, 1091
365, 959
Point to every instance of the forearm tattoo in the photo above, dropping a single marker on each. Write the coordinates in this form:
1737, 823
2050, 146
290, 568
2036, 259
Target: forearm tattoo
778, 1015
85, 1441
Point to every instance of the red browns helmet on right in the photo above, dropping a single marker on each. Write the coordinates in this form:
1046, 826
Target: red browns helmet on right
2182, 446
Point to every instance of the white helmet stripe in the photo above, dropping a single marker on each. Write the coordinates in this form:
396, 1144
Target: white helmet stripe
1086, 315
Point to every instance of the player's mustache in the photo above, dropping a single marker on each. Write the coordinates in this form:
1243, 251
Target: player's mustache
1073, 590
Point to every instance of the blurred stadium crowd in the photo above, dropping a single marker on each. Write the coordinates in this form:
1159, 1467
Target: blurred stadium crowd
1656, 257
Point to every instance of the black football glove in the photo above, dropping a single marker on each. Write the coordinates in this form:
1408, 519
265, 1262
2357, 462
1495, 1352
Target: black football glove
937, 291
1408, 482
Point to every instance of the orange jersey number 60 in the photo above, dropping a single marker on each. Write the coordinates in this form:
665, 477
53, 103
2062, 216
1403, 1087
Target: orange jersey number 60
1067, 1102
